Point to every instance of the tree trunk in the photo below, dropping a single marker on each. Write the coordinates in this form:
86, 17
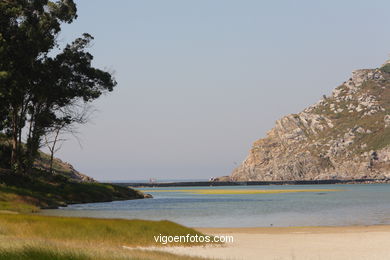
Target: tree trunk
15, 148
51, 161
53, 149
32, 150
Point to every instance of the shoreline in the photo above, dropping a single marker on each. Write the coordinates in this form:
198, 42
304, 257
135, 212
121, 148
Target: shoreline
321, 242
249, 183
293, 229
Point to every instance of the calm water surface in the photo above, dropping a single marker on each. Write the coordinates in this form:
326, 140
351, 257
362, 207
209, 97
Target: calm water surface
357, 204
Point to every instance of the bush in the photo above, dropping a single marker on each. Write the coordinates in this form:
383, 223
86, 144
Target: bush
386, 68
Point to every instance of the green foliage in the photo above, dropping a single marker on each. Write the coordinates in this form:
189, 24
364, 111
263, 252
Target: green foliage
5, 156
40, 189
386, 68
39, 89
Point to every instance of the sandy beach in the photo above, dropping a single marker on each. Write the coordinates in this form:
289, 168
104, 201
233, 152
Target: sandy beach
350, 242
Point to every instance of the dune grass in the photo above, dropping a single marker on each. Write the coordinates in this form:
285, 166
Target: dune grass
44, 237
41, 253
44, 252
233, 192
115, 232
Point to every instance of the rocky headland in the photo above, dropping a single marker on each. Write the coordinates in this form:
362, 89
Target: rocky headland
343, 136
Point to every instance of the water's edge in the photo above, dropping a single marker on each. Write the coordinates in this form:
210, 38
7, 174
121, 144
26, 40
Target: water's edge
357, 204
249, 183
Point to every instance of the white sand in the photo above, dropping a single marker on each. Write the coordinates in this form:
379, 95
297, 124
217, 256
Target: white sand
323, 243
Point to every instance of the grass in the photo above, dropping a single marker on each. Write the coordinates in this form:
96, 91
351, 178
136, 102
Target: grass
44, 253
15, 203
28, 193
42, 237
38, 188
30, 252
25, 236
236, 192
99, 231
41, 252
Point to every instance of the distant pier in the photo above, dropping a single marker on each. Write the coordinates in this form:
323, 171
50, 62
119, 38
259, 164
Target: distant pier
247, 183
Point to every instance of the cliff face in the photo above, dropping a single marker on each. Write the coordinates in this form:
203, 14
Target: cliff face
343, 136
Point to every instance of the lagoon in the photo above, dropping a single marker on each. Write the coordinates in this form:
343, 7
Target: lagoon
250, 206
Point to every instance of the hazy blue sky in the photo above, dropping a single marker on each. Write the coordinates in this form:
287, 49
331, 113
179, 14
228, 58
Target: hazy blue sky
200, 80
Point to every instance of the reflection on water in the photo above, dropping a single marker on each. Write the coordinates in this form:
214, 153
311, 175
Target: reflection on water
358, 204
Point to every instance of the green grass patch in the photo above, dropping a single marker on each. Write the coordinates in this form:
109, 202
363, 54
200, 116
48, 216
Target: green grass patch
33, 237
26, 193
40, 253
119, 232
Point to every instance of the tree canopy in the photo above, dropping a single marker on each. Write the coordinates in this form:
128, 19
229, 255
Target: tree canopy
37, 87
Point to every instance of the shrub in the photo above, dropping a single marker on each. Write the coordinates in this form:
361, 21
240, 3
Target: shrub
386, 68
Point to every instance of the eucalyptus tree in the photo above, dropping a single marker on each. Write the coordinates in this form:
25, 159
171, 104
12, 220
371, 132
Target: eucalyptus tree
36, 85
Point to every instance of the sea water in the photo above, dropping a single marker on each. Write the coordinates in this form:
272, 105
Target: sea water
354, 204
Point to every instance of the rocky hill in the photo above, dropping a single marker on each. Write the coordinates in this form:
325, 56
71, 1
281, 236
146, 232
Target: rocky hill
40, 188
62, 168
43, 163
343, 136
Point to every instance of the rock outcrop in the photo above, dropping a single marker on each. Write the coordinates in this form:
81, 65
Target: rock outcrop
343, 136
69, 171
62, 168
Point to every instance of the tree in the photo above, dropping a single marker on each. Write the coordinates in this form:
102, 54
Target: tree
78, 114
67, 80
28, 31
35, 84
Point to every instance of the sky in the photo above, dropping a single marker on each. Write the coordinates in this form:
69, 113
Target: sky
199, 81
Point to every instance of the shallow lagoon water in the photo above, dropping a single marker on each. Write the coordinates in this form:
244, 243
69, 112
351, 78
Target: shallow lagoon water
354, 204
